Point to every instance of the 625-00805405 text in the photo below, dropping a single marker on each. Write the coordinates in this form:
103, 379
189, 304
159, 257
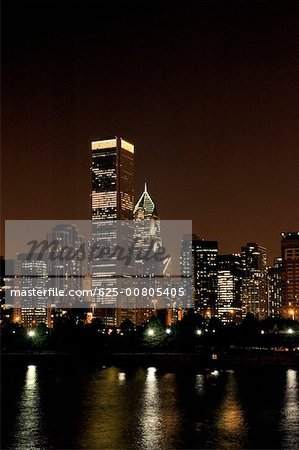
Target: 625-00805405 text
171, 292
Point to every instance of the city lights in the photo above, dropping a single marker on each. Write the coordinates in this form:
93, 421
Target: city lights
149, 285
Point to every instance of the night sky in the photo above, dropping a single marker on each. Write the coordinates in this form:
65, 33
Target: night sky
207, 91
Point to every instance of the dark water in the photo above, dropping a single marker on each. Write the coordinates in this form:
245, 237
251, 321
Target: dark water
147, 408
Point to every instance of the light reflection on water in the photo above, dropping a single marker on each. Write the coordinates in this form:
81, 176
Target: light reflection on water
290, 413
150, 408
28, 426
121, 377
150, 421
199, 383
104, 410
231, 422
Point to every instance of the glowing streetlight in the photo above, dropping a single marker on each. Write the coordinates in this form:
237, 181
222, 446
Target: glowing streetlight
262, 332
290, 331
31, 333
150, 332
198, 332
168, 331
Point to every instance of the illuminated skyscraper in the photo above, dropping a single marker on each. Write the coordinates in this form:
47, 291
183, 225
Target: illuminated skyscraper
112, 199
205, 275
66, 274
229, 305
112, 179
274, 276
147, 233
6, 280
254, 284
187, 265
290, 285
145, 208
31, 310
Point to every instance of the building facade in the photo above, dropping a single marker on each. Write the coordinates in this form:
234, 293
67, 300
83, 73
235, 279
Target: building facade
65, 273
205, 276
254, 283
112, 179
229, 288
274, 276
112, 199
28, 309
290, 276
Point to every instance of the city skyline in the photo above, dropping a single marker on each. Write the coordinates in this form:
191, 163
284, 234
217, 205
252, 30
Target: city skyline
92, 199
149, 224
224, 286
215, 131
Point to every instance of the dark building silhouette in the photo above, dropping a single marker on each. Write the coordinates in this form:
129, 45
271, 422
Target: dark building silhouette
205, 275
290, 284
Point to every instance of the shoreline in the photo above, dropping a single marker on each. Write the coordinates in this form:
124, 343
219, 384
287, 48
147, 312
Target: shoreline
237, 360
